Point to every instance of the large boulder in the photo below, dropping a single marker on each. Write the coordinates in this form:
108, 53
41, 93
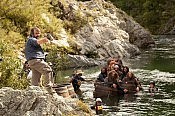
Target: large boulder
109, 32
35, 101
105, 31
78, 61
138, 35
105, 35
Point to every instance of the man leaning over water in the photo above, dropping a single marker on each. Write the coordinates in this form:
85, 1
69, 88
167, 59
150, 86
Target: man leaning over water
35, 57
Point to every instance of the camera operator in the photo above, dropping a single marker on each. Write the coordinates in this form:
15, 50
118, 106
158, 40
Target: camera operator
35, 58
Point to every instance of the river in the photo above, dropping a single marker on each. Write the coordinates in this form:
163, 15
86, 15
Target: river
157, 64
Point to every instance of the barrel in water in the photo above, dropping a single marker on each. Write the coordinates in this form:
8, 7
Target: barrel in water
65, 90
62, 90
70, 90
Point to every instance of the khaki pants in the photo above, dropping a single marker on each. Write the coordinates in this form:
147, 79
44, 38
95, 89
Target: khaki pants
39, 67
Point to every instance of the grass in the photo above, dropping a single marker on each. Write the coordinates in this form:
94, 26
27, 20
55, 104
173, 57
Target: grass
84, 107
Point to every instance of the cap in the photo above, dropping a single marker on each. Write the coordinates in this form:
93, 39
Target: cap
98, 99
79, 72
152, 82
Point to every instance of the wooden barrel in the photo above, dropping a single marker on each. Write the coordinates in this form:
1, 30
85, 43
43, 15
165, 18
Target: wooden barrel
101, 93
71, 91
130, 87
62, 90
102, 89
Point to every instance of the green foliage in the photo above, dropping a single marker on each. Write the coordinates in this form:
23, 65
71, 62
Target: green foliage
10, 77
21, 15
16, 19
10, 67
60, 79
8, 41
152, 14
74, 25
83, 106
20, 12
58, 56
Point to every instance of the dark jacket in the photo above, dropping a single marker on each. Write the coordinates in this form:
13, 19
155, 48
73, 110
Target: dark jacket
76, 82
130, 84
101, 77
33, 50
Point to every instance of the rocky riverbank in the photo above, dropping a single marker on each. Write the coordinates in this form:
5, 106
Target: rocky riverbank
35, 101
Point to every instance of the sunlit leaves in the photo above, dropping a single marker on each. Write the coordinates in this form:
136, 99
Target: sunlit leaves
19, 12
10, 67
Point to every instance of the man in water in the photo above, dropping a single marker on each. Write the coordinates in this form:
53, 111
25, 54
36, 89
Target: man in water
76, 80
152, 87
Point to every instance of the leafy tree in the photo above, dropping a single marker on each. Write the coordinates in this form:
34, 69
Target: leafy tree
154, 15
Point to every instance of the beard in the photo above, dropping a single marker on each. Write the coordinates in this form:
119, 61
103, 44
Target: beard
36, 37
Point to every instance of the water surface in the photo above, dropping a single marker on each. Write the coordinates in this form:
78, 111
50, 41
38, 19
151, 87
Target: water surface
158, 64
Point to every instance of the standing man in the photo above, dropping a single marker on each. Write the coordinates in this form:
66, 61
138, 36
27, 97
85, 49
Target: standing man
35, 57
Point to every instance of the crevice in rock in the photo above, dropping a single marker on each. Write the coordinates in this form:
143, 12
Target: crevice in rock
19, 105
34, 104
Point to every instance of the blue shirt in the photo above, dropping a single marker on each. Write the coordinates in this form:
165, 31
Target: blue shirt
33, 50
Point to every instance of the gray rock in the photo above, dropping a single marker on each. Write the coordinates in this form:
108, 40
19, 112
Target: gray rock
77, 61
34, 101
111, 33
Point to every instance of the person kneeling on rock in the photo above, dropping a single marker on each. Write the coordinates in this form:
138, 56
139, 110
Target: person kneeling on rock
76, 80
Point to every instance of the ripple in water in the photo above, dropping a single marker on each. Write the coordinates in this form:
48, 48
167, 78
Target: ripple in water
142, 103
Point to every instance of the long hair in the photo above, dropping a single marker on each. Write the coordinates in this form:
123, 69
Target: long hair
127, 69
132, 75
113, 76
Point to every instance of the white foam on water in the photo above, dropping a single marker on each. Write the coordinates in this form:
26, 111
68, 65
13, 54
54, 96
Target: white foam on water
155, 75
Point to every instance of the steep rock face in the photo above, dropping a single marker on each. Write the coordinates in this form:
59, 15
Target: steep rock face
109, 32
106, 31
106, 39
34, 101
138, 35
78, 61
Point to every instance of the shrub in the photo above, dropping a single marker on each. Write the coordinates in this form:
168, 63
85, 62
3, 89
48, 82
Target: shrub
10, 77
10, 67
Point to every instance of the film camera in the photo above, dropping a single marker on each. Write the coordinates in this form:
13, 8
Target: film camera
49, 36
